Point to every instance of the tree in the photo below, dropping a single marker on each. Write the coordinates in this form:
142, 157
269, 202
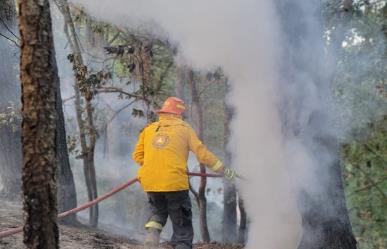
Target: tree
229, 188
37, 75
87, 131
360, 80
324, 213
366, 181
10, 145
180, 82
242, 231
67, 195
10, 152
197, 117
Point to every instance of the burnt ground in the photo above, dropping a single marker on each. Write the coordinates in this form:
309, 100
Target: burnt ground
80, 237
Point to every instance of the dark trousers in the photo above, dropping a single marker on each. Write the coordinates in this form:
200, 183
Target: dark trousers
176, 205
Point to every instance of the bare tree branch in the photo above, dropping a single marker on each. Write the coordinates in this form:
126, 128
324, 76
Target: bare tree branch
10, 39
68, 99
9, 29
112, 89
114, 38
118, 112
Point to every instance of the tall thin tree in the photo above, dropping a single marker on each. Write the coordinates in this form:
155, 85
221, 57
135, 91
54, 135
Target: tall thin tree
229, 188
87, 132
197, 118
325, 219
37, 76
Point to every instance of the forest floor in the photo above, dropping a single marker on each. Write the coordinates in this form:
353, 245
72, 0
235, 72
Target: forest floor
77, 237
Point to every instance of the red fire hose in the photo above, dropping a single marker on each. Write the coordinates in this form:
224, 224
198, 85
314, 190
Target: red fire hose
15, 230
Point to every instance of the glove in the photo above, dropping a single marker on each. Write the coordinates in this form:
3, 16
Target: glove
229, 174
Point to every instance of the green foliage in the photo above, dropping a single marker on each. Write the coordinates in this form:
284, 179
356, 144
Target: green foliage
365, 174
141, 66
360, 73
360, 86
88, 82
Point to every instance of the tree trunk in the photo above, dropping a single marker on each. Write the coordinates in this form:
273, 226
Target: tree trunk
180, 80
197, 117
325, 231
90, 158
38, 126
242, 231
10, 144
67, 195
86, 150
229, 193
229, 212
384, 27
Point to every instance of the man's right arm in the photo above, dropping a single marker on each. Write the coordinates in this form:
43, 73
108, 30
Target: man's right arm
138, 153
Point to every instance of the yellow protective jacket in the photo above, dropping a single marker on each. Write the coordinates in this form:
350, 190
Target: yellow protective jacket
162, 152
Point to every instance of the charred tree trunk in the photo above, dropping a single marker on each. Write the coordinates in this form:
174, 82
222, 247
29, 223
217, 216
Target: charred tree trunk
180, 80
10, 144
242, 231
229, 193
85, 127
322, 229
197, 116
384, 27
67, 195
229, 213
38, 75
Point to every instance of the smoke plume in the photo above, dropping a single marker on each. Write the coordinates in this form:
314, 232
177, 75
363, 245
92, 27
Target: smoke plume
272, 53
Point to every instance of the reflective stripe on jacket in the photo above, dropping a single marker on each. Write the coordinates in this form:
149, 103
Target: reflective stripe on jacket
162, 152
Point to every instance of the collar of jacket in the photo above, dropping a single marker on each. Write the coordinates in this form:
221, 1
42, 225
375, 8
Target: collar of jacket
167, 119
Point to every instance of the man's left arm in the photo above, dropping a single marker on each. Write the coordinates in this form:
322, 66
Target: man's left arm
203, 155
206, 157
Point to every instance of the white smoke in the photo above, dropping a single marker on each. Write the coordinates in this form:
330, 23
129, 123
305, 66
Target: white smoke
244, 38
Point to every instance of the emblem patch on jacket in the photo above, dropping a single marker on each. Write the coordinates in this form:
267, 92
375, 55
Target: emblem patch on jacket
160, 141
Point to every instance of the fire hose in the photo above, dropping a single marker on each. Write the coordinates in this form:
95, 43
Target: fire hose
12, 231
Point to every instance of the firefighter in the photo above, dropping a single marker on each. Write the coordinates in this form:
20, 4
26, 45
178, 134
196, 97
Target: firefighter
162, 152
